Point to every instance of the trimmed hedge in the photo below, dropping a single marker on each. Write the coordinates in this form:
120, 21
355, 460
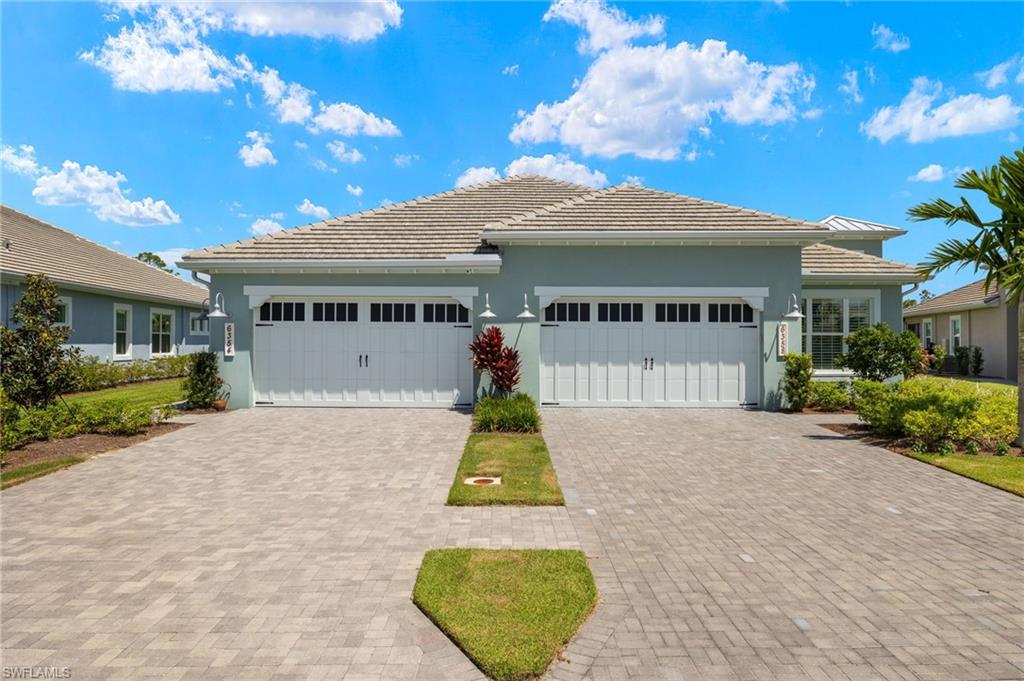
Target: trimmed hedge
57, 421
92, 374
937, 411
516, 413
830, 395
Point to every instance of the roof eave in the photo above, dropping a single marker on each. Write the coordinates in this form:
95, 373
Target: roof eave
576, 237
453, 264
943, 309
841, 235
861, 278
110, 292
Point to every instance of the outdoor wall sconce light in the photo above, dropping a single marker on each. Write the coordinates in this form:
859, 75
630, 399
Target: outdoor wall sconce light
526, 314
218, 311
487, 314
794, 308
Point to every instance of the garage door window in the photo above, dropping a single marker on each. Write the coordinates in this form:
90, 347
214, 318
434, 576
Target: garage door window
620, 312
567, 312
335, 312
730, 313
283, 312
392, 312
445, 313
677, 312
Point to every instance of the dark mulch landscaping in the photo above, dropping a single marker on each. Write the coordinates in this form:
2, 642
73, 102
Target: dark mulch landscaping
862, 432
81, 446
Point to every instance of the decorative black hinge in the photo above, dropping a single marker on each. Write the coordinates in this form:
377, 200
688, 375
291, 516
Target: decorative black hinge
258, 324
258, 403
543, 325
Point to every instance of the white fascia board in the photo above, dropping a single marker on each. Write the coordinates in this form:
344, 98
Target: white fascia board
489, 263
577, 237
753, 295
910, 312
261, 294
835, 278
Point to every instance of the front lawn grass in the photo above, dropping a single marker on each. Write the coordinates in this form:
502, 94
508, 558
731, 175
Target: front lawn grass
521, 460
35, 470
1004, 472
510, 611
147, 394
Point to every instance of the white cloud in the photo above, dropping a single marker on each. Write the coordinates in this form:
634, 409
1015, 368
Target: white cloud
932, 172
917, 120
21, 161
354, 190
477, 175
405, 160
264, 226
888, 40
510, 70
257, 153
171, 256
559, 167
646, 100
290, 100
999, 74
345, 21
345, 154
73, 185
323, 167
307, 207
634, 179
349, 119
604, 27
165, 53
851, 87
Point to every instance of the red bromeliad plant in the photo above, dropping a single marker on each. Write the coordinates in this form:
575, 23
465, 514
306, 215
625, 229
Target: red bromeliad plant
490, 356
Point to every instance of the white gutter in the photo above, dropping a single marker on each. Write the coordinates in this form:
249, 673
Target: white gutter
840, 278
651, 237
950, 308
487, 263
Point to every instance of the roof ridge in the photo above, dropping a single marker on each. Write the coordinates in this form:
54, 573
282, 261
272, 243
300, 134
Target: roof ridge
551, 207
885, 227
96, 243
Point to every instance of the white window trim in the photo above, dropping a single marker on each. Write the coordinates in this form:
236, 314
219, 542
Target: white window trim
66, 301
174, 347
875, 295
955, 318
192, 316
925, 323
122, 307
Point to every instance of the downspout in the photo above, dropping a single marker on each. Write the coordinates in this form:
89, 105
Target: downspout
203, 282
913, 287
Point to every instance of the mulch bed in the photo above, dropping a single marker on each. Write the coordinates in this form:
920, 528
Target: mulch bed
81, 446
862, 432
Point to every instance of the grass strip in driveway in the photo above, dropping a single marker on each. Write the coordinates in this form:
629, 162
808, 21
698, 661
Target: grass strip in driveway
145, 394
510, 611
1004, 472
35, 470
521, 460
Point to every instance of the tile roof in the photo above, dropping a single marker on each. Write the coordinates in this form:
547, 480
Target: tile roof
839, 223
31, 246
973, 295
454, 222
823, 259
631, 207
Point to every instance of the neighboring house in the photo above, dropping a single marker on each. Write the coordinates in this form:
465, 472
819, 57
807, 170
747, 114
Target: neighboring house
970, 315
622, 296
118, 308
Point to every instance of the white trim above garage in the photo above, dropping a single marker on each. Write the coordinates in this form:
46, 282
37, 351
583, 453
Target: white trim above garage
462, 294
470, 263
752, 295
645, 237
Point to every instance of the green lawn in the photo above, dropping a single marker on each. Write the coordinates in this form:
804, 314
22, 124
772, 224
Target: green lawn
148, 394
510, 611
35, 470
522, 461
1004, 472
982, 385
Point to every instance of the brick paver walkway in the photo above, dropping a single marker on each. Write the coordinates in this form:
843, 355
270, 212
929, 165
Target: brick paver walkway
284, 543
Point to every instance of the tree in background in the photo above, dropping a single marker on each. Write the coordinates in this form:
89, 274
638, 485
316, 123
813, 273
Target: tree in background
155, 260
35, 367
997, 246
925, 295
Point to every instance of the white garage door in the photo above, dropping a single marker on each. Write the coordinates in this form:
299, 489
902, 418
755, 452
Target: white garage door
360, 352
650, 353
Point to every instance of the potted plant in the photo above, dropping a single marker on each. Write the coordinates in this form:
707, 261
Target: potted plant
221, 403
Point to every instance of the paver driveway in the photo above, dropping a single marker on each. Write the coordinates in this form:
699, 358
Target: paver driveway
726, 545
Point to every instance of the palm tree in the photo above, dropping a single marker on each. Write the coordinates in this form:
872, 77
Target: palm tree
997, 247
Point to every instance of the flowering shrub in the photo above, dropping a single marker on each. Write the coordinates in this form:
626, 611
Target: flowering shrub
492, 357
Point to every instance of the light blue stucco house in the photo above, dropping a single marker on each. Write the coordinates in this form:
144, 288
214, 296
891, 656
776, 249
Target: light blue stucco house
617, 297
118, 308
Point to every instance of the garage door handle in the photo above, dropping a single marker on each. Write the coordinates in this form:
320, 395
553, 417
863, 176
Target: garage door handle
360, 360
367, 361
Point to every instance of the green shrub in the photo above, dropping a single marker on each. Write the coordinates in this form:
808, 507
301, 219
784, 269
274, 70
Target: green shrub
971, 447
203, 384
977, 361
58, 421
92, 374
797, 382
1002, 449
962, 357
876, 353
876, 406
829, 395
514, 414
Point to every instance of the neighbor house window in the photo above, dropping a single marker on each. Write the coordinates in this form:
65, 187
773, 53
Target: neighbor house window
926, 333
827, 321
954, 333
122, 331
63, 311
197, 326
161, 332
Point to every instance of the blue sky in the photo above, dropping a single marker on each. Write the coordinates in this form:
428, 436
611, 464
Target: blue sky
170, 127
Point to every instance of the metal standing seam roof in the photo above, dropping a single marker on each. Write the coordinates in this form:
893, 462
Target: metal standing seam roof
31, 246
840, 223
455, 222
972, 295
826, 259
